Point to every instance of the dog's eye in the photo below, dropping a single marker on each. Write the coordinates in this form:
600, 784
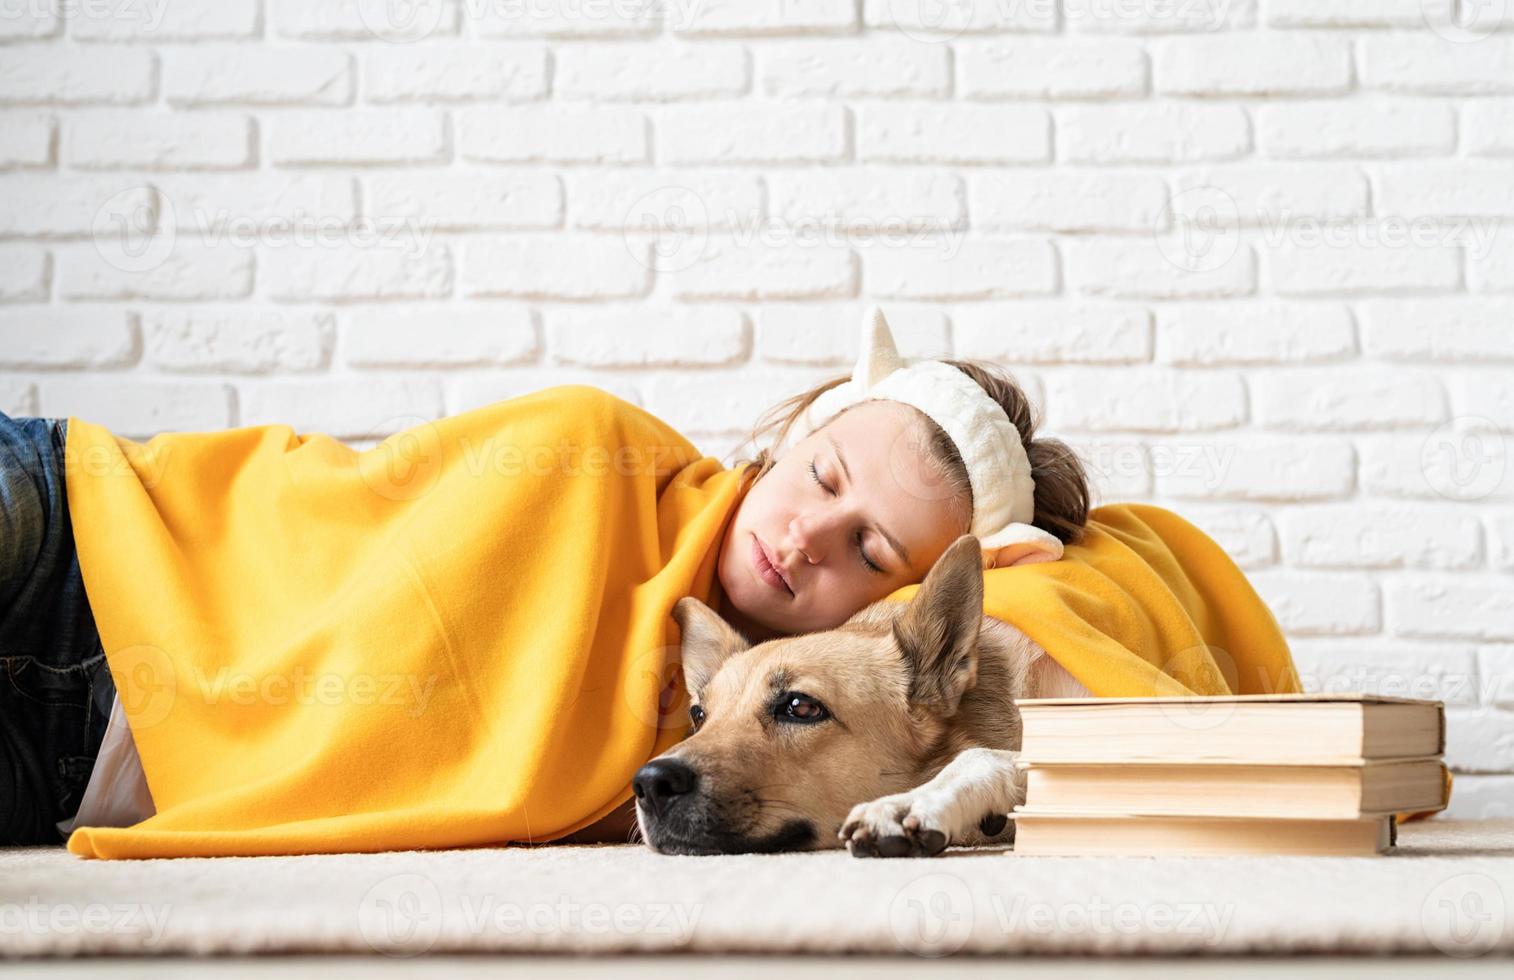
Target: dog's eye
793, 706
696, 715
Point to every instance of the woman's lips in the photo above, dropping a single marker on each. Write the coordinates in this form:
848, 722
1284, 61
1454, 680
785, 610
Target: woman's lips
765, 569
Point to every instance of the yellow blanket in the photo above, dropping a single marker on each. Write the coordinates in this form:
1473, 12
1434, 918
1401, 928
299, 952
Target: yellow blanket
462, 636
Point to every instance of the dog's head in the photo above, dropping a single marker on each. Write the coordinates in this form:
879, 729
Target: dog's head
787, 736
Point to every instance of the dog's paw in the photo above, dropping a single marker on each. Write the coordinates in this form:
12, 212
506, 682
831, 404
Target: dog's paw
894, 826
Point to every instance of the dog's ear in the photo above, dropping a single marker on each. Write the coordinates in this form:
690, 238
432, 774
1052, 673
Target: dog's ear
938, 632
707, 641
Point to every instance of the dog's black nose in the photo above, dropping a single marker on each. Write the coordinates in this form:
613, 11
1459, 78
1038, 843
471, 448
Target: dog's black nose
662, 781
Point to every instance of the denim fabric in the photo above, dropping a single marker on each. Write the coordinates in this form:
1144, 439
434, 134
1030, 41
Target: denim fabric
55, 692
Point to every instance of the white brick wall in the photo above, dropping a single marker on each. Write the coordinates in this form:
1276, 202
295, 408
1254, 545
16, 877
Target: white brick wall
1255, 258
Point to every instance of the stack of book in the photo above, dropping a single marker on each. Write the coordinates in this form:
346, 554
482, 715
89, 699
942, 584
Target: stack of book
1246, 774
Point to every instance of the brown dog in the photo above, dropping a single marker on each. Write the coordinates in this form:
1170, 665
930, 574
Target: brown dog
894, 733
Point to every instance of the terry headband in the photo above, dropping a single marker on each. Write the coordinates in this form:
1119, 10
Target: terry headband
998, 469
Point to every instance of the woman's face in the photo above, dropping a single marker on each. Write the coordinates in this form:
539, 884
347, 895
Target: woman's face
831, 539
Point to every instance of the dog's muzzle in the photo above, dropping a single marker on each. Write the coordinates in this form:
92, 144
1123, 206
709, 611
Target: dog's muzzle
662, 784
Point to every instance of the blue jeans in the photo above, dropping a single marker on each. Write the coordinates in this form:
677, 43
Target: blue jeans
56, 692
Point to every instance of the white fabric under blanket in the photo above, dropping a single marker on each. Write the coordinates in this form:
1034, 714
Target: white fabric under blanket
1448, 888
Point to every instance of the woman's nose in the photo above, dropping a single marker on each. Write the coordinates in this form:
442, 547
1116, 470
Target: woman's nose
808, 538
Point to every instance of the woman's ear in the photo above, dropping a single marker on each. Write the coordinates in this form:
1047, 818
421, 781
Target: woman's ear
1021, 544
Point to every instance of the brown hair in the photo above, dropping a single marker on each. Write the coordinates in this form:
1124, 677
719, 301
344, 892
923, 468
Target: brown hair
1062, 496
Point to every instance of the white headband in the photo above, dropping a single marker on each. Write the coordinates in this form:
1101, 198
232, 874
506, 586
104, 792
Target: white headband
1003, 492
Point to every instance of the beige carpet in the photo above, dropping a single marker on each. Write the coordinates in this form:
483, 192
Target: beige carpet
1448, 889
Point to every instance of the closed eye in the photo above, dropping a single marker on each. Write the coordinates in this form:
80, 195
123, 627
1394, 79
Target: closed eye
867, 562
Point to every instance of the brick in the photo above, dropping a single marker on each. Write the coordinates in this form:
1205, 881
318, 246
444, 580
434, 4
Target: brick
1053, 333
1442, 672
731, 269
877, 66
1487, 395
1067, 201
357, 408
408, 270
358, 136
156, 141
1479, 740
1496, 674
649, 73
1350, 13
178, 20
777, 132
925, 18
1155, 269
1474, 607
56, 205
1491, 266
1172, 132
1104, 16
24, 273
454, 72
568, 267
17, 397
1457, 462
1459, 331
1426, 63
1479, 797
1255, 196
762, 17
50, 338
264, 207
962, 270
554, 134
1246, 533
26, 139
1456, 190
1251, 64
1501, 540
365, 20
1328, 399
1346, 261
568, 19
944, 132
428, 338
1118, 469
1380, 535
648, 337
186, 272
237, 340
729, 402
478, 388
815, 334
663, 201
1064, 68
29, 22
236, 74
47, 74
1489, 126
1244, 466
468, 200
1357, 127
1208, 334
1320, 603
1143, 400
138, 409
870, 200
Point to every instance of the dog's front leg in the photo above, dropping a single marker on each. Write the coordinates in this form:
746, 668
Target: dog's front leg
965, 803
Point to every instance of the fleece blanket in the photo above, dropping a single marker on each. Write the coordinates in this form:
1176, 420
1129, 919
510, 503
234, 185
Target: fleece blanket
462, 636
